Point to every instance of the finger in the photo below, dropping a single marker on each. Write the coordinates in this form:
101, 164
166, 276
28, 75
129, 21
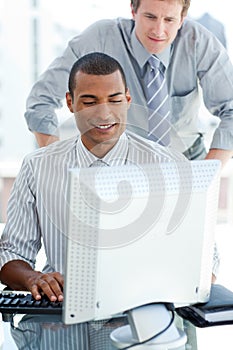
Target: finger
50, 286
59, 278
35, 292
58, 289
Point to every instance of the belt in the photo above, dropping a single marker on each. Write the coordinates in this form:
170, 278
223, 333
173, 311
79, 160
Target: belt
196, 149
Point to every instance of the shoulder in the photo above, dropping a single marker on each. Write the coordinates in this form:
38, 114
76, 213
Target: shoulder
106, 27
59, 149
157, 151
192, 30
194, 43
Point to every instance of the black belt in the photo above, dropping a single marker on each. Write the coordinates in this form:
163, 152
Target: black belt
196, 149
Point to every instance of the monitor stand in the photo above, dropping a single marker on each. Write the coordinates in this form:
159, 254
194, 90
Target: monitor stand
145, 322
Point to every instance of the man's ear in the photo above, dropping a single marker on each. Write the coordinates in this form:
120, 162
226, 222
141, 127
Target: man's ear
69, 102
128, 97
132, 11
182, 21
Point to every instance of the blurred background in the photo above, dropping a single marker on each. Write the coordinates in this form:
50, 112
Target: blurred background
32, 34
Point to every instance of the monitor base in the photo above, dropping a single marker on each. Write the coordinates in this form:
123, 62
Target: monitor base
144, 322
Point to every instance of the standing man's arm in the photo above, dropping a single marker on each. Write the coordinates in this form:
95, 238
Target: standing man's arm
44, 139
221, 154
47, 95
217, 87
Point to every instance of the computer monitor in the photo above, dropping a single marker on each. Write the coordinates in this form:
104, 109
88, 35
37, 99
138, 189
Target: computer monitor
139, 234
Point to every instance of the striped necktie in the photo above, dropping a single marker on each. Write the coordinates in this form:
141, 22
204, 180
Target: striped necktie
157, 102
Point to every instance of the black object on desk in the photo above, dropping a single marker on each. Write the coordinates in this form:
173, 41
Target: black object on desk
217, 311
12, 302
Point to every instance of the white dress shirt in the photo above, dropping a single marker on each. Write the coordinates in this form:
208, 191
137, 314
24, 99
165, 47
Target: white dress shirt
38, 208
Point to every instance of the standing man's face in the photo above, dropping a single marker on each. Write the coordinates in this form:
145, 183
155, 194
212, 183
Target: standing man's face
157, 23
100, 105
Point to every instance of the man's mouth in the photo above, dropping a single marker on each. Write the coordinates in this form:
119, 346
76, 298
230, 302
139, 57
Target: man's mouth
156, 39
105, 126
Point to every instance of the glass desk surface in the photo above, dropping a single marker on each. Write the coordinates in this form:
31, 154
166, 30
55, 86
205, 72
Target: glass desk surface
35, 332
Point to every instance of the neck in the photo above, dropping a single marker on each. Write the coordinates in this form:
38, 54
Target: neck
100, 150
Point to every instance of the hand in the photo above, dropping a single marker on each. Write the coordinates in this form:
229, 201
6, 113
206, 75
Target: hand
50, 284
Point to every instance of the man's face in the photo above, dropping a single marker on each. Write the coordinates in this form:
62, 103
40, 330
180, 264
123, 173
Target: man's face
100, 106
157, 23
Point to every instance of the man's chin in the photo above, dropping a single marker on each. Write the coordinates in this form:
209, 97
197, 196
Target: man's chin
105, 145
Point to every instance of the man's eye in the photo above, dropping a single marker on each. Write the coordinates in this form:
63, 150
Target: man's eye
150, 16
88, 103
116, 101
169, 20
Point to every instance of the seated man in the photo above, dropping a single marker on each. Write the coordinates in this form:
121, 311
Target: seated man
99, 98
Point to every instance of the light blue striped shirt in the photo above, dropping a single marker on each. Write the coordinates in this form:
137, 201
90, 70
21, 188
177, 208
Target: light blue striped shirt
196, 59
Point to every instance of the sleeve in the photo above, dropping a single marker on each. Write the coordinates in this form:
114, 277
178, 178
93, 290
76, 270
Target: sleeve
215, 72
21, 238
48, 93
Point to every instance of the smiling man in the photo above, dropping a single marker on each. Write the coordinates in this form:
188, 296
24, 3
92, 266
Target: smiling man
100, 104
38, 210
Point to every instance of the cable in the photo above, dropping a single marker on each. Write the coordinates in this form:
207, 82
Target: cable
154, 336
17, 329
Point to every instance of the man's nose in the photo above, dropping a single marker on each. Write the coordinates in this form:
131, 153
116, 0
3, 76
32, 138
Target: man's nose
158, 28
103, 110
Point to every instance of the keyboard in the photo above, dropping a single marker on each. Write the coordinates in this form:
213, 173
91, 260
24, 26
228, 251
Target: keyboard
13, 302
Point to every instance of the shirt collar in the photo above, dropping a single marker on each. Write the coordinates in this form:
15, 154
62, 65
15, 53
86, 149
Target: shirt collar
116, 156
142, 55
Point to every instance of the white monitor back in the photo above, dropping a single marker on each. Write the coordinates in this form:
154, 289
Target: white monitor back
139, 234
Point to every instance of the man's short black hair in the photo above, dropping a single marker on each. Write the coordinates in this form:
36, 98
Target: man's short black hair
95, 63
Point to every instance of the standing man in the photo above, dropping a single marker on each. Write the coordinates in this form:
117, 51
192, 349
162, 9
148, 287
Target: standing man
189, 57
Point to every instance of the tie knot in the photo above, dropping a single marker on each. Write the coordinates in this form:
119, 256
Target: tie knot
154, 62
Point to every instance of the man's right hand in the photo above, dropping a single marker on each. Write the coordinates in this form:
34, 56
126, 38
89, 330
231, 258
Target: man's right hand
50, 284
19, 275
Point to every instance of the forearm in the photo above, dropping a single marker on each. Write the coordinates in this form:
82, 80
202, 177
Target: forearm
223, 155
44, 139
16, 274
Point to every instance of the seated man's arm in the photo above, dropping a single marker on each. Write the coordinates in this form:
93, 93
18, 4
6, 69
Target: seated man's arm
21, 239
19, 275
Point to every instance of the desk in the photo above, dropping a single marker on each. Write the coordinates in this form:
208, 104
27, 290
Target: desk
45, 332
49, 333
